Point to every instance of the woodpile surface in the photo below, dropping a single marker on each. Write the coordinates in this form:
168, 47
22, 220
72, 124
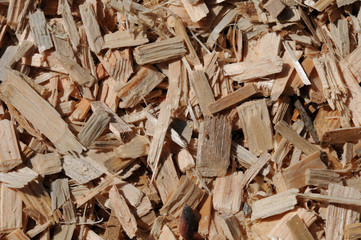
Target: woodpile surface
180, 119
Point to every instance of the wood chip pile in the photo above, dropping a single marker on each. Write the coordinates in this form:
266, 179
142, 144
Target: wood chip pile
180, 119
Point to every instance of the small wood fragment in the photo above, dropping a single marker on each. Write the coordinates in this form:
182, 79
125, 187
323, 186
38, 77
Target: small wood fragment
185, 193
76, 73
46, 164
227, 193
292, 136
159, 51
40, 31
202, 90
144, 81
214, 146
352, 231
123, 213
307, 120
298, 229
195, 11
295, 175
94, 36
341, 135
116, 125
275, 204
256, 125
47, 121
233, 98
274, 7
121, 39
338, 216
245, 71
321, 177
94, 127
9, 149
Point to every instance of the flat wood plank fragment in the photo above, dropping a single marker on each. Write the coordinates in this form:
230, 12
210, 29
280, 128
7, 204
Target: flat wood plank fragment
92, 30
295, 175
38, 112
352, 231
122, 211
275, 204
244, 156
46, 164
250, 70
116, 125
298, 229
11, 209
17, 234
341, 135
202, 90
282, 231
227, 19
13, 13
76, 72
94, 127
233, 98
40, 31
321, 177
195, 11
139, 86
256, 125
274, 7
227, 193
297, 65
80, 169
18, 178
69, 23
214, 146
186, 192
292, 136
340, 216
159, 51
9, 149
121, 39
